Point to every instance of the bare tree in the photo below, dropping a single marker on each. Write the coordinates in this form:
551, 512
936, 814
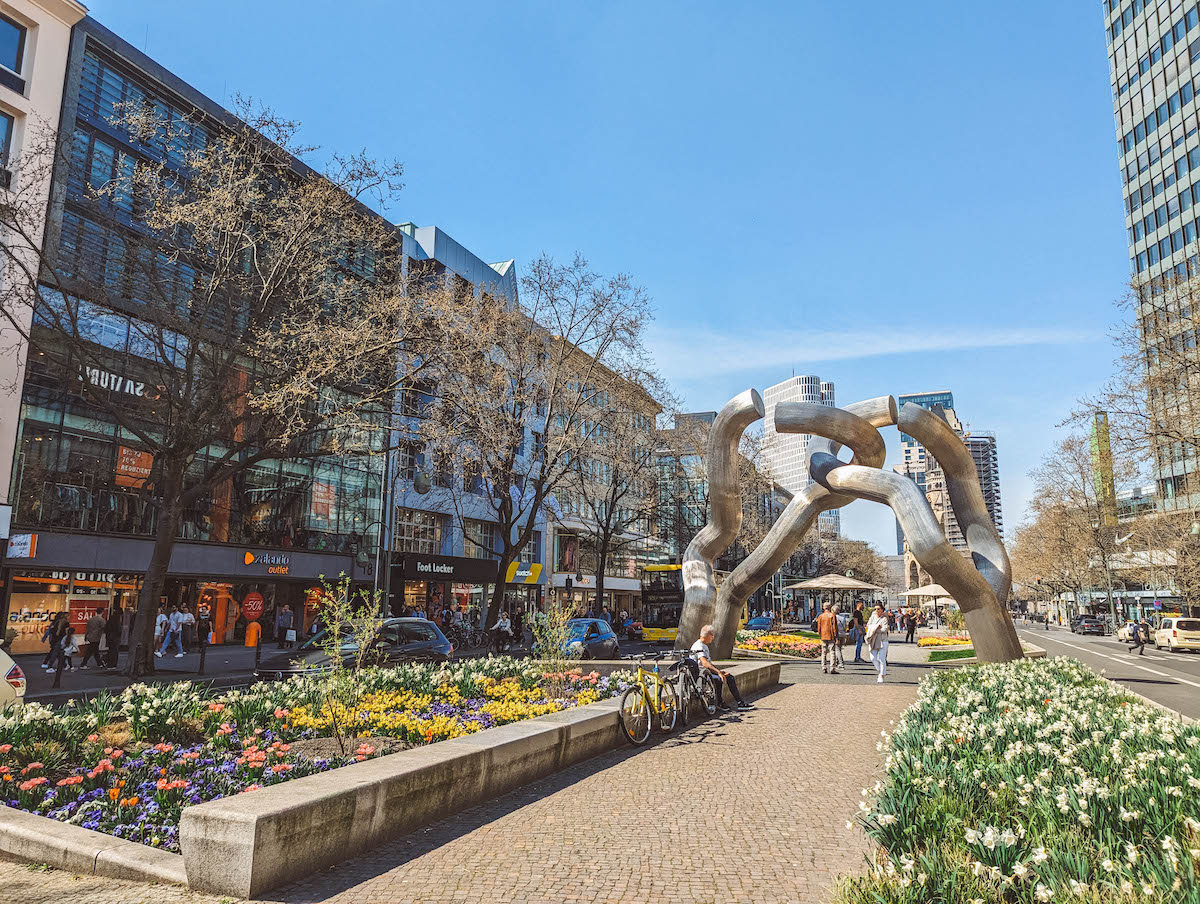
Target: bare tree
611, 490
220, 303
517, 399
1069, 506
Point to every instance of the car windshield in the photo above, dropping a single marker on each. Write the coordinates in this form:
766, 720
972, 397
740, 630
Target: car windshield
578, 628
1188, 624
349, 642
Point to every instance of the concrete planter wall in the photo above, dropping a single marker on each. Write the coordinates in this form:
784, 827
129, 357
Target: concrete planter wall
249, 844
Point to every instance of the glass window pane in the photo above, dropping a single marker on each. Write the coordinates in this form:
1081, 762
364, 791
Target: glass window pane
12, 44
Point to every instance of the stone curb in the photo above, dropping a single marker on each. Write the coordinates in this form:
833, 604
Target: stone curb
1032, 651
39, 839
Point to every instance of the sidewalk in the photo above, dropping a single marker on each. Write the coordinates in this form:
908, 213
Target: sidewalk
224, 664
749, 807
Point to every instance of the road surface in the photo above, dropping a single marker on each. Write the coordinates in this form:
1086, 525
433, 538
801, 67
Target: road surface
1172, 679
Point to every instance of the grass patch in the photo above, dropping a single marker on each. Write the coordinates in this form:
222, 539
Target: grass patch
943, 655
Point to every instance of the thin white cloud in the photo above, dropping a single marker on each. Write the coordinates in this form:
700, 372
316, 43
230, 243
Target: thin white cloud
691, 353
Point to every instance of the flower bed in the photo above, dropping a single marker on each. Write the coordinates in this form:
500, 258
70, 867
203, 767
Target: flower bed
1033, 781
948, 641
783, 644
129, 764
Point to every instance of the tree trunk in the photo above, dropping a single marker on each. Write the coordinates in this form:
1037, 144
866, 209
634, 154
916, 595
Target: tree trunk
601, 567
493, 610
169, 516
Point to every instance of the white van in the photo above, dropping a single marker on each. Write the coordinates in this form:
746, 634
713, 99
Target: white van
1178, 634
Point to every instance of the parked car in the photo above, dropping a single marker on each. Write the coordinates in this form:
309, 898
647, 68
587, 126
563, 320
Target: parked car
12, 688
1090, 625
760, 624
397, 640
591, 638
1178, 634
1125, 632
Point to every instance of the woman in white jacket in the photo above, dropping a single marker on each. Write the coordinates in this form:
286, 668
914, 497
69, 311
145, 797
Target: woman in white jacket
877, 639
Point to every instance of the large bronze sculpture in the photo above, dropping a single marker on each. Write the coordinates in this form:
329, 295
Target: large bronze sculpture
980, 586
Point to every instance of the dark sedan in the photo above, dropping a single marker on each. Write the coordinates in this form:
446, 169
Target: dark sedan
761, 623
1091, 626
398, 640
591, 638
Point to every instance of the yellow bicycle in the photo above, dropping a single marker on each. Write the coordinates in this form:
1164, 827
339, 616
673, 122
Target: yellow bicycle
651, 696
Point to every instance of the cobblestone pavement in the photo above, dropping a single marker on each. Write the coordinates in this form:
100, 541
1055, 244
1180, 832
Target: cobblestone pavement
22, 883
749, 807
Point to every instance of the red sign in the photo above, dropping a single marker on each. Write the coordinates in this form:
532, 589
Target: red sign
323, 499
252, 606
133, 467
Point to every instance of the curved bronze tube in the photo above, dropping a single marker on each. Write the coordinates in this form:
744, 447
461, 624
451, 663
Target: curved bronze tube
724, 514
992, 631
966, 497
853, 426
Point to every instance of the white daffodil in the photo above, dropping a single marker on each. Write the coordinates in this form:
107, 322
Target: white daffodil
972, 836
1040, 855
1042, 893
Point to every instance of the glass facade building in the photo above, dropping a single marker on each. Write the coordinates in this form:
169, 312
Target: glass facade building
1154, 73
82, 483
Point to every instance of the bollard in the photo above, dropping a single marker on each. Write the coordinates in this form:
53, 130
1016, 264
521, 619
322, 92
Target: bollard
62, 658
258, 651
203, 653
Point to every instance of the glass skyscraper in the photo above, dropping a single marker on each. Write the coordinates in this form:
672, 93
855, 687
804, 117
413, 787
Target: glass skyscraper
1154, 69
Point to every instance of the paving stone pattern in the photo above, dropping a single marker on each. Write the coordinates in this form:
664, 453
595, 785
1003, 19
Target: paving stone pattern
749, 807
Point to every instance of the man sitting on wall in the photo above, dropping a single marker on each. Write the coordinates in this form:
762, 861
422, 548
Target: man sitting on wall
703, 658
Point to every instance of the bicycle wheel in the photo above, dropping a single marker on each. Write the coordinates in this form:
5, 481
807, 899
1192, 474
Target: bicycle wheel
668, 707
708, 696
685, 693
634, 716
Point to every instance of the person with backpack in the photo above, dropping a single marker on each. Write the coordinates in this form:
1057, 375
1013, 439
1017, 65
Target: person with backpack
1141, 637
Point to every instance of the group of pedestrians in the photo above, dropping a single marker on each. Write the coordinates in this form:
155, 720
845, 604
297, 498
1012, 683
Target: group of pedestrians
101, 641
179, 628
872, 632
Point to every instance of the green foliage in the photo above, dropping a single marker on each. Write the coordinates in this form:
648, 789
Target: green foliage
942, 655
352, 621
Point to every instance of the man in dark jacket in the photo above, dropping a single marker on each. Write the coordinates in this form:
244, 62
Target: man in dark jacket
112, 636
92, 634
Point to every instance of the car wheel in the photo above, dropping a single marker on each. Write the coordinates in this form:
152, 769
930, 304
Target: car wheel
616, 653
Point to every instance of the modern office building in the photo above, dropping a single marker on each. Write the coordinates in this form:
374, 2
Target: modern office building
982, 446
1154, 72
787, 453
912, 453
35, 38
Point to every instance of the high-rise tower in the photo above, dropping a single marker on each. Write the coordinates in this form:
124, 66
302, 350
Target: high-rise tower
787, 453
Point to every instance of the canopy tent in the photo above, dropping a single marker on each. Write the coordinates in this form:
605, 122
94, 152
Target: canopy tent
832, 582
934, 590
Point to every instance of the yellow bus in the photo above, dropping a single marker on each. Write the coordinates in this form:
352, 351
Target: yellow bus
662, 602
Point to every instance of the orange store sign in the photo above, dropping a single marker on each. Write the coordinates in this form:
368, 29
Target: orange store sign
133, 467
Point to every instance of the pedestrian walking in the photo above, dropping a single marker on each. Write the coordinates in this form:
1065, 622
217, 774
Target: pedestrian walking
187, 627
92, 634
112, 635
827, 630
911, 627
174, 630
877, 640
283, 624
1141, 636
518, 625
858, 630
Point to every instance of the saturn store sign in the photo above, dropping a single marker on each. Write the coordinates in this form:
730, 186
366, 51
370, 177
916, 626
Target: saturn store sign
275, 563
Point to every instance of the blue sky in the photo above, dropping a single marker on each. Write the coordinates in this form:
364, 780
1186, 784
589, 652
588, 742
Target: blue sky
896, 197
